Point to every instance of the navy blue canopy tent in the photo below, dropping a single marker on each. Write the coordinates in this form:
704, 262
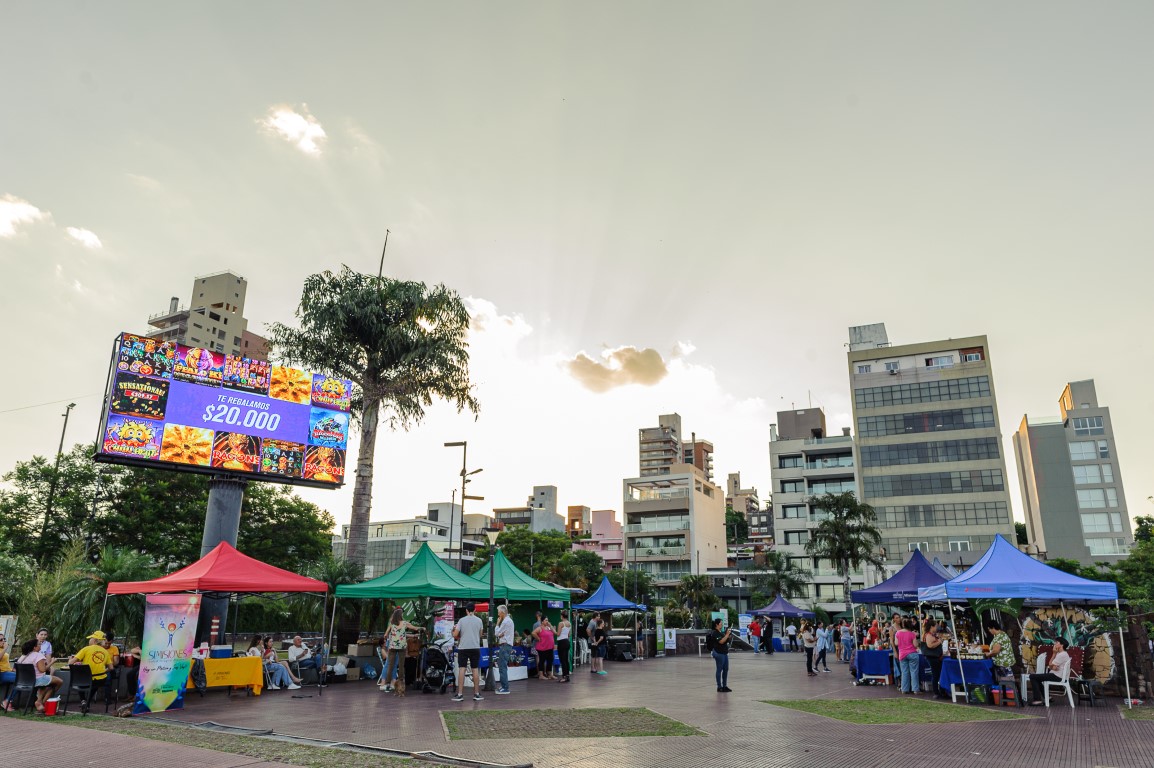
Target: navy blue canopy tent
903, 586
1005, 572
606, 599
781, 608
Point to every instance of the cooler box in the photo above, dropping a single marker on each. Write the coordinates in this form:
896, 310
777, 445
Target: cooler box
220, 652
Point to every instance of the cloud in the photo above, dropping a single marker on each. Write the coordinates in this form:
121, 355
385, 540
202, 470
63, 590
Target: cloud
618, 367
300, 129
85, 237
144, 182
15, 212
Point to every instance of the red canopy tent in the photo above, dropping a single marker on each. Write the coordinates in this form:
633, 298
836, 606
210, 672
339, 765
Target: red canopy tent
224, 569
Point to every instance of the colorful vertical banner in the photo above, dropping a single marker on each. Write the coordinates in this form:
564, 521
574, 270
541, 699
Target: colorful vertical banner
660, 618
166, 653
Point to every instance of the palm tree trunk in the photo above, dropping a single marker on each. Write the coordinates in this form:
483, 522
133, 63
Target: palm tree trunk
845, 584
358, 540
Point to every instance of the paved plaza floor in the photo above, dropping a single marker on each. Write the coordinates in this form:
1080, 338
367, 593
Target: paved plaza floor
741, 730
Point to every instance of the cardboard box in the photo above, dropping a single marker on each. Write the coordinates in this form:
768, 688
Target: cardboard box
360, 650
353, 673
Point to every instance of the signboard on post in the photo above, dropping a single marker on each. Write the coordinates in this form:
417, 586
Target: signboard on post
723, 615
659, 616
166, 653
196, 410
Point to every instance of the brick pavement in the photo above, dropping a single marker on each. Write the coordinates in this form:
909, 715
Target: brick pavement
742, 731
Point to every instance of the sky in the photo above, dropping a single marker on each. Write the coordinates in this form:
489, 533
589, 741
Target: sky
649, 208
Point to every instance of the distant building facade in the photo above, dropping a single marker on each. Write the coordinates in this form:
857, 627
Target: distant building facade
538, 515
578, 521
212, 319
1071, 481
605, 539
746, 502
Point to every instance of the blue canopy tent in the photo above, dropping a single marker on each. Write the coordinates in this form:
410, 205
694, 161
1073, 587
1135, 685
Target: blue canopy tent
781, 608
1005, 572
903, 586
606, 598
949, 570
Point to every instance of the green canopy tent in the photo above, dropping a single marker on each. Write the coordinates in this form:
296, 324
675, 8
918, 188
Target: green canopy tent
514, 584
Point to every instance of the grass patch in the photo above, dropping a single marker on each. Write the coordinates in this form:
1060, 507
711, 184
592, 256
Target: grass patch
890, 711
1137, 713
261, 749
563, 724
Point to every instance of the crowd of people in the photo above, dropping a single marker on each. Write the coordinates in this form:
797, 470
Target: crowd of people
101, 655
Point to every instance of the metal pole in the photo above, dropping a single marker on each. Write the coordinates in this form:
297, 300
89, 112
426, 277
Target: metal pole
492, 629
1125, 665
464, 479
102, 612
322, 662
52, 485
957, 646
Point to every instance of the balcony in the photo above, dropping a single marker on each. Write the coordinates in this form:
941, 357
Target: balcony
831, 440
656, 527
160, 319
640, 553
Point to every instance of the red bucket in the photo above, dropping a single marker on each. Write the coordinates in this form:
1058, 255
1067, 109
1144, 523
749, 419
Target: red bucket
50, 706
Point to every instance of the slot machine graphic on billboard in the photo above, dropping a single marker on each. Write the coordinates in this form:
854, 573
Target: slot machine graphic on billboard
196, 365
246, 375
190, 409
132, 437
280, 457
237, 452
147, 357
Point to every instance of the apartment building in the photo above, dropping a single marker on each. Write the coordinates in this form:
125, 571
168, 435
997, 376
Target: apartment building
929, 443
212, 319
674, 524
746, 502
806, 462
605, 538
1071, 481
392, 542
538, 515
660, 448
578, 520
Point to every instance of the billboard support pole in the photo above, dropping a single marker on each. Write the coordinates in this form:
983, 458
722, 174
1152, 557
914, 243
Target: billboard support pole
221, 523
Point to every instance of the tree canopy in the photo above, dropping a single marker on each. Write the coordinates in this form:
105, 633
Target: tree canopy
779, 576
846, 534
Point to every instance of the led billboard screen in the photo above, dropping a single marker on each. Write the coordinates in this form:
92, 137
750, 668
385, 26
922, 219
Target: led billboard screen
198, 410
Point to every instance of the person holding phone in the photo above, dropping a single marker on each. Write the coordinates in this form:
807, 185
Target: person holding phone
718, 643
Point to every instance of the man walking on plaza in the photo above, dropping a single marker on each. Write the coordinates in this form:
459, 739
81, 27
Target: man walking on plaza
506, 634
755, 635
467, 633
791, 631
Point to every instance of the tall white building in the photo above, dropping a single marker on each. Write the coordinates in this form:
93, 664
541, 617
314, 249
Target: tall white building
212, 319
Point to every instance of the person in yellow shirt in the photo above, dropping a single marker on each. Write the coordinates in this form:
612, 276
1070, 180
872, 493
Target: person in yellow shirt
98, 659
7, 673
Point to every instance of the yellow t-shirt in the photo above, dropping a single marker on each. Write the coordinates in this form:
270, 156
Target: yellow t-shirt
5, 665
97, 658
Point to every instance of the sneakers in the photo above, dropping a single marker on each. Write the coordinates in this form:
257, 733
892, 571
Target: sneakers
458, 697
478, 697
502, 692
294, 687
602, 672
726, 689
273, 688
720, 689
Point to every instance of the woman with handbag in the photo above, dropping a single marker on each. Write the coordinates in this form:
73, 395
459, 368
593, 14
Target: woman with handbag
396, 644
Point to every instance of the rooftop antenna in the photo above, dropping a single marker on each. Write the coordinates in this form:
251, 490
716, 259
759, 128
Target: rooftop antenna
381, 271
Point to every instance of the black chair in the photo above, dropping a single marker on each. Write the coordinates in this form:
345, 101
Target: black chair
25, 683
80, 680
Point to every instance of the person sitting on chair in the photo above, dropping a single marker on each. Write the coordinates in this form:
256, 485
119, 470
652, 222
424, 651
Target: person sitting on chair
99, 660
301, 655
1057, 670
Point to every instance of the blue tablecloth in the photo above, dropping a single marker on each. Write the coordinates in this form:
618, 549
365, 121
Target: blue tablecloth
978, 672
777, 646
874, 663
519, 652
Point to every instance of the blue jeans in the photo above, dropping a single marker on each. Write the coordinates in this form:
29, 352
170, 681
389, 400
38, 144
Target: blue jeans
278, 675
755, 641
504, 651
721, 661
911, 671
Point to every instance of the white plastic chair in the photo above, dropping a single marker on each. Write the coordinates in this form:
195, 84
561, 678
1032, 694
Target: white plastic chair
1041, 669
582, 651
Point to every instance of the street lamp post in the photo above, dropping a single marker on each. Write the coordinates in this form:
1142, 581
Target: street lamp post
52, 485
491, 534
465, 479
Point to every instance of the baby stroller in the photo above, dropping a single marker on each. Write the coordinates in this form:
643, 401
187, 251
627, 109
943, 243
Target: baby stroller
437, 665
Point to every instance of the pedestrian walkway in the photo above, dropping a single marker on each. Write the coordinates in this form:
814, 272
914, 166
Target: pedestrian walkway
742, 731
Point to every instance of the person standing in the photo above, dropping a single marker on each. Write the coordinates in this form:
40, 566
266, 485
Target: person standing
468, 633
809, 643
718, 643
506, 634
931, 648
1001, 651
823, 647
600, 646
909, 660
755, 635
835, 640
767, 635
545, 644
396, 646
563, 630
639, 629
847, 640
791, 632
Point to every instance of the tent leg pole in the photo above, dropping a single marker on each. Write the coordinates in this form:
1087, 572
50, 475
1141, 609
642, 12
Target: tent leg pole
324, 657
332, 623
1065, 618
1125, 665
957, 649
103, 611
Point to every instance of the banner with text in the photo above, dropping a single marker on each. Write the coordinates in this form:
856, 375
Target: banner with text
166, 653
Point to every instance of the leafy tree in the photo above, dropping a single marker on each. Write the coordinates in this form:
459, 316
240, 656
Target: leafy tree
590, 566
83, 588
1144, 528
24, 503
534, 553
1022, 535
736, 526
633, 585
848, 535
17, 573
781, 576
282, 529
401, 343
696, 592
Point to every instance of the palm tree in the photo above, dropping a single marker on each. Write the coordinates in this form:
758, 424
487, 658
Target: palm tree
696, 592
83, 587
781, 576
848, 536
401, 343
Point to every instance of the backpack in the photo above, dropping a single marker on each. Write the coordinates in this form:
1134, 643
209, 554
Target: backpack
199, 678
711, 641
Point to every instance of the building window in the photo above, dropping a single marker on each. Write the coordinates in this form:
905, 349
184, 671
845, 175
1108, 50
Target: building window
1116, 522
793, 486
1103, 449
932, 483
864, 368
214, 316
823, 487
1107, 473
923, 546
941, 361
1111, 497
921, 392
1085, 474
1109, 546
793, 511
1091, 498
1083, 450
1084, 426
960, 546
789, 462
933, 452
893, 366
796, 537
1098, 522
950, 514
926, 421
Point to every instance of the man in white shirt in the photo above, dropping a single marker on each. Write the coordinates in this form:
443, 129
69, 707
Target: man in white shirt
467, 633
301, 655
1057, 670
791, 632
506, 634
